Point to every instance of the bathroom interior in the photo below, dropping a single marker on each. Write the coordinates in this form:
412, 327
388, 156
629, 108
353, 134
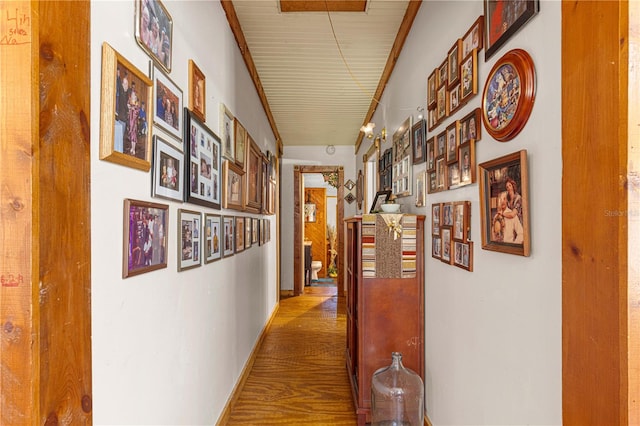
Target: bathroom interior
320, 238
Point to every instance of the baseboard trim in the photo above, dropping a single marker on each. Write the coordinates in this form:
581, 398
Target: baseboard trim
226, 412
286, 293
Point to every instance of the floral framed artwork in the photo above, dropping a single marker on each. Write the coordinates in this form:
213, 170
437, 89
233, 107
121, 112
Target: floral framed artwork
228, 236
202, 163
125, 107
253, 178
452, 143
453, 63
463, 255
504, 19
197, 91
212, 237
461, 216
154, 31
380, 198
431, 90
240, 234
469, 76
167, 171
474, 37
436, 208
241, 138
233, 184
418, 142
189, 247
467, 163
146, 230
168, 104
508, 95
227, 133
504, 204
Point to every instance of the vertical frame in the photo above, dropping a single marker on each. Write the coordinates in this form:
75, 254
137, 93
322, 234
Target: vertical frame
228, 235
452, 143
241, 140
202, 163
212, 237
227, 133
168, 171
189, 247
461, 216
197, 91
146, 227
431, 163
168, 104
467, 163
233, 183
431, 90
253, 175
469, 76
446, 245
247, 232
154, 32
421, 189
436, 209
418, 142
474, 37
453, 63
240, 233
463, 255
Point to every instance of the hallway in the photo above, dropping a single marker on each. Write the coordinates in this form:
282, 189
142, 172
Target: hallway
299, 375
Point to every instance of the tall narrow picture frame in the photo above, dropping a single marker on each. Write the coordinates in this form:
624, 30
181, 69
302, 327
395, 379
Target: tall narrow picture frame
227, 132
233, 184
504, 19
504, 204
146, 230
168, 170
197, 91
202, 163
418, 142
125, 108
253, 178
168, 103
228, 235
212, 237
154, 32
189, 241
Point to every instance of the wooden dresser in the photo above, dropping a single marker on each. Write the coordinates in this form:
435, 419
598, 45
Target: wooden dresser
385, 299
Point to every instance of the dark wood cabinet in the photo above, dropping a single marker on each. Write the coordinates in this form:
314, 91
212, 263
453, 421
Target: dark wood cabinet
385, 311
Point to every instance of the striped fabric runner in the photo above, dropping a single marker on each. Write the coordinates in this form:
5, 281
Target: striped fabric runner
407, 256
368, 245
409, 225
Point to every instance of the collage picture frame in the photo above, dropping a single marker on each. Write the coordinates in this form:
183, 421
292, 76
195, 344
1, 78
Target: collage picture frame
202, 163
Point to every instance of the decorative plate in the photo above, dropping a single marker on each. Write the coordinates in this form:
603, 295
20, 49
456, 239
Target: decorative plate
508, 96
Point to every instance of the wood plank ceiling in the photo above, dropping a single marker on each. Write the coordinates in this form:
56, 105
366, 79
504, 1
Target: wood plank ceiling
318, 68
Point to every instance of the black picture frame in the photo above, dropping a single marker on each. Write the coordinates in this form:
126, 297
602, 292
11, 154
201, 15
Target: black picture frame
380, 198
503, 19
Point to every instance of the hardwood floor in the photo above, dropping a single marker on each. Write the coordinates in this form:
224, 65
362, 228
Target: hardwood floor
299, 375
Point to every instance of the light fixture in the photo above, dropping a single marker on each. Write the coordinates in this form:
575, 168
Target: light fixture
383, 134
368, 129
420, 109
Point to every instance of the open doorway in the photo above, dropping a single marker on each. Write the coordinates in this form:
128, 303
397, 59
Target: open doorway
310, 206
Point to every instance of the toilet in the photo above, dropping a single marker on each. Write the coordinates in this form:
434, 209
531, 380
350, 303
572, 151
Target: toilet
316, 265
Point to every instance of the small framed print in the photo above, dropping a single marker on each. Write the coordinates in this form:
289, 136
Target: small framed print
154, 32
197, 88
189, 247
454, 99
436, 209
240, 234
470, 128
453, 63
441, 174
241, 140
453, 176
167, 171
432, 178
446, 245
441, 108
431, 90
255, 230
146, 230
212, 237
436, 247
469, 76
168, 104
253, 178
441, 144
418, 142
463, 255
504, 20
447, 214
233, 183
202, 163
421, 189
247, 233
227, 133
452, 143
431, 164
473, 38
467, 161
442, 73
461, 214
228, 236
125, 107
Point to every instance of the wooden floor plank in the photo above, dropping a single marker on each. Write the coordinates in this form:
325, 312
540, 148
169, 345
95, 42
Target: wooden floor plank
299, 375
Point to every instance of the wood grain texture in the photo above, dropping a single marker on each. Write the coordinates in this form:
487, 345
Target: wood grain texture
594, 241
316, 231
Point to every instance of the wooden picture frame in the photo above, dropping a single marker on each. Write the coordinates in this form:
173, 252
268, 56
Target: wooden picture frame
442, 73
253, 178
227, 133
144, 243
463, 255
431, 181
470, 128
154, 32
247, 232
453, 99
125, 108
240, 143
441, 174
452, 143
431, 90
431, 164
467, 163
240, 234
504, 204
233, 184
421, 189
168, 103
189, 239
360, 189
474, 37
197, 91
505, 111
447, 214
453, 175
445, 237
255, 230
418, 142
461, 220
202, 163
469, 76
436, 247
168, 170
436, 209
504, 20
380, 198
441, 103
212, 237
453, 63
228, 235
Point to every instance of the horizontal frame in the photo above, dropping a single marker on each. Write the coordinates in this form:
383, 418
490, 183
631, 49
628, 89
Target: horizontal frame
145, 243
500, 29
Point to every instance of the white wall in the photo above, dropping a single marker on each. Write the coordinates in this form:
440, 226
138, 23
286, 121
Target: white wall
307, 156
169, 346
492, 336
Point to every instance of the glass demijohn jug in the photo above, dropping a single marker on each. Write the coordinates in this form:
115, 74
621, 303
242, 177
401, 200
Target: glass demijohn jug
397, 395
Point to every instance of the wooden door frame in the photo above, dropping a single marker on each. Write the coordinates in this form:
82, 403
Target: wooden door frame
298, 281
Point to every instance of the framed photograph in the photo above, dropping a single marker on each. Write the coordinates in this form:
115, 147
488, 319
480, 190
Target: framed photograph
447, 214
212, 237
233, 183
442, 73
309, 212
504, 19
504, 204
441, 108
431, 164
453, 176
146, 230
240, 232
441, 174
402, 141
168, 104
125, 106
467, 163
441, 144
432, 179
463, 255
247, 232
266, 182
241, 141
508, 95
228, 236
470, 128
446, 245
436, 209
154, 32
452, 142
421, 189
453, 101
436, 247
431, 90
469, 76
380, 198
253, 178
197, 91
167, 171
461, 214
227, 133
202, 163
189, 247
418, 142
473, 38
453, 63
255, 230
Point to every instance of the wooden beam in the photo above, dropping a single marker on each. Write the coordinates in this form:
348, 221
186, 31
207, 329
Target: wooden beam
323, 6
